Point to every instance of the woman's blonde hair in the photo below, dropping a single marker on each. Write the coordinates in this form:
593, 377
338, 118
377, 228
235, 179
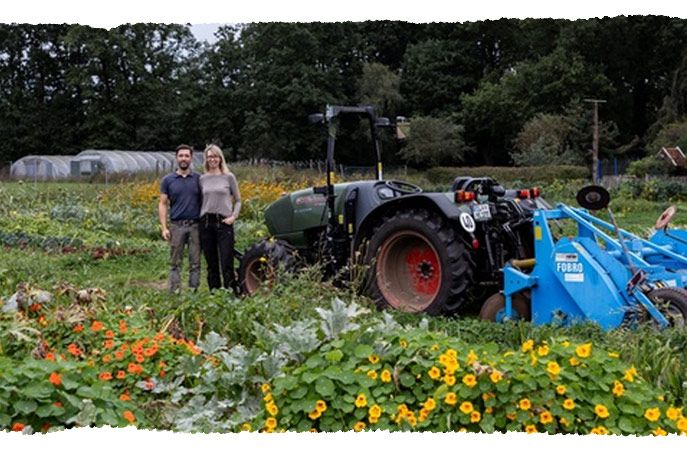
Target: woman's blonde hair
215, 150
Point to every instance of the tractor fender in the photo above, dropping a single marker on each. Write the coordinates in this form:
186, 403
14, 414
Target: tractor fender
439, 203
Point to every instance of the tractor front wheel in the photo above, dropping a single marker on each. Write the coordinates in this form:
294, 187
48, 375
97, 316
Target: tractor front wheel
262, 261
418, 264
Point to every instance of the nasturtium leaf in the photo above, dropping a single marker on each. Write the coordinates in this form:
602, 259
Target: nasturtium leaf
324, 387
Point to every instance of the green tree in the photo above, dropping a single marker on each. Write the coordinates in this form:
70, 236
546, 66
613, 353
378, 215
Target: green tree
434, 141
379, 86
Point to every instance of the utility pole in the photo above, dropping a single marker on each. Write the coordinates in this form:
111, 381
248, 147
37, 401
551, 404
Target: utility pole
595, 143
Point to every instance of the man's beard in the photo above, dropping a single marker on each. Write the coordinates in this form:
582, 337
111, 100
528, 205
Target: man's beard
183, 165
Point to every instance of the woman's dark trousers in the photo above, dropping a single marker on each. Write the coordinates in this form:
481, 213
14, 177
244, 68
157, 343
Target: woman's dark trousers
217, 241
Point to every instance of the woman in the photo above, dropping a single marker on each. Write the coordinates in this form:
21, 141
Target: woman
219, 210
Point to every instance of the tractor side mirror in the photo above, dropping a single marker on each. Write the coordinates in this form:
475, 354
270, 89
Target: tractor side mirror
314, 119
593, 197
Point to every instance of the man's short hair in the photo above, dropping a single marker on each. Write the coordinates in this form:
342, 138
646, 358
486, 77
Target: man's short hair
184, 147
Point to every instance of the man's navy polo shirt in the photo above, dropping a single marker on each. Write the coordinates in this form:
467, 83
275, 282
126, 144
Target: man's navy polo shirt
184, 194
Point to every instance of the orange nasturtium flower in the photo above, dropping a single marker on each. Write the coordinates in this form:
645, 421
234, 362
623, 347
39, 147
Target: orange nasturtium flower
18, 426
129, 416
78, 328
97, 326
74, 349
109, 334
121, 375
55, 378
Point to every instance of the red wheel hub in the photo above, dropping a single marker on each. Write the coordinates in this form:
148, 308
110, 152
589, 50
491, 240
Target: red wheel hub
408, 271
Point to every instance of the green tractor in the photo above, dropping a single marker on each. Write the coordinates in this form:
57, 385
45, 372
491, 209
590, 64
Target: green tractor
420, 251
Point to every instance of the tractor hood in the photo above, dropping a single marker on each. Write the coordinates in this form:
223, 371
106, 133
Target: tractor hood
299, 210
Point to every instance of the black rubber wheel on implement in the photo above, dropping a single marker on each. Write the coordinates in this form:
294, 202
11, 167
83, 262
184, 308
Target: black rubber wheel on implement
262, 262
494, 307
418, 263
672, 302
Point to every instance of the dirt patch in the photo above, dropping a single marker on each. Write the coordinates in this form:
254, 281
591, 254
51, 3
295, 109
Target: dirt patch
159, 285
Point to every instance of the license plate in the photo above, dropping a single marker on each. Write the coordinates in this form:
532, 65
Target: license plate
481, 213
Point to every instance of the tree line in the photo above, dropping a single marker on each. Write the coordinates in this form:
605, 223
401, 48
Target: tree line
489, 92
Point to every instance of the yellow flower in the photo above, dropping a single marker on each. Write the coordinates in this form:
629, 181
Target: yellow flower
469, 380
545, 417
451, 353
314, 415
543, 350
565, 344
601, 411
613, 355
660, 432
402, 408
527, 345
560, 389
412, 421
553, 368
313, 430
375, 411
489, 410
429, 404
569, 404
584, 350
599, 430
450, 380
475, 417
373, 419
267, 398
618, 388
472, 357
403, 343
487, 395
361, 401
443, 359
246, 427
533, 359
434, 373
423, 415
451, 398
360, 426
563, 422
682, 424
630, 374
372, 374
574, 361
652, 414
385, 376
466, 407
321, 406
271, 423
495, 376
673, 413
272, 408
531, 429
265, 388
374, 359
525, 404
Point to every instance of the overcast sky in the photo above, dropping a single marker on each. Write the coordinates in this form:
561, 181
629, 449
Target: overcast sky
205, 31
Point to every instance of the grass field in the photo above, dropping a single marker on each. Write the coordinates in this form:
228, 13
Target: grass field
213, 352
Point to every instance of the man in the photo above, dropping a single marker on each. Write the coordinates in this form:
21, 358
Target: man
181, 189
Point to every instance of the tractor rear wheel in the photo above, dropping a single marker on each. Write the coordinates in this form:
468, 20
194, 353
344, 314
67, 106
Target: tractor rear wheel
672, 302
262, 261
418, 264
494, 308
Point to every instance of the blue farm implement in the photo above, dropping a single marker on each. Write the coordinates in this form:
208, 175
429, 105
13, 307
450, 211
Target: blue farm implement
603, 274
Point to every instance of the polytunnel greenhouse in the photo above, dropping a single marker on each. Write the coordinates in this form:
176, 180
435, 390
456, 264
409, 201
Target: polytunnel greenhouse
124, 161
42, 167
